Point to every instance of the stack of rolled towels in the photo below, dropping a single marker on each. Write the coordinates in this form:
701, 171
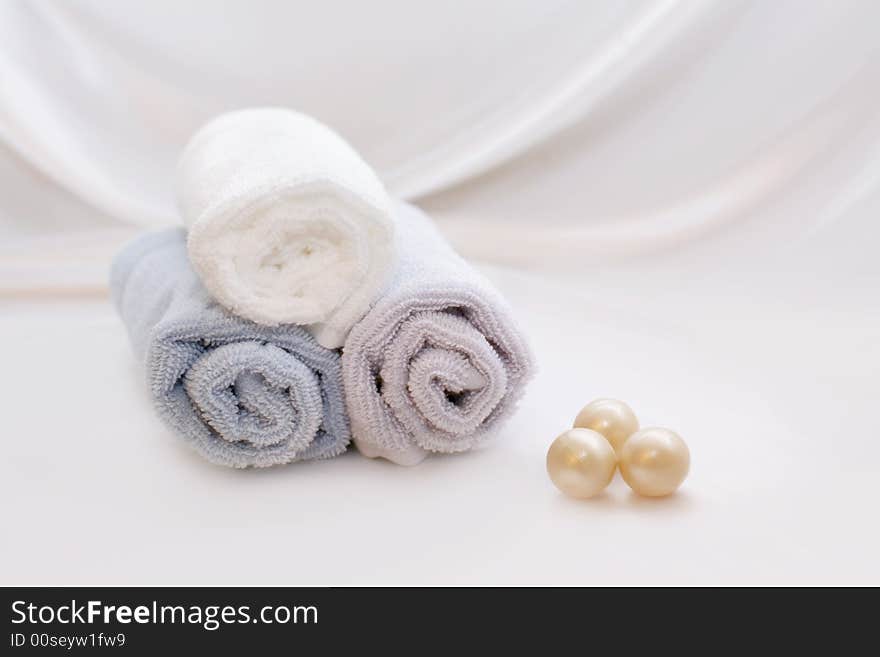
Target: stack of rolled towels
300, 308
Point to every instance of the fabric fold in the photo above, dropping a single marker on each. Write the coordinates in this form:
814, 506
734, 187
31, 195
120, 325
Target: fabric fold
241, 394
287, 224
437, 363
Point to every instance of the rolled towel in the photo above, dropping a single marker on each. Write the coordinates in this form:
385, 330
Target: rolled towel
438, 361
241, 394
287, 224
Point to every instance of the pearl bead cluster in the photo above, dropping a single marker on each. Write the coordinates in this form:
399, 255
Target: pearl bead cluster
581, 462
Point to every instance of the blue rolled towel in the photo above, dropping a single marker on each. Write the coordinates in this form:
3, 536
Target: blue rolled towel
241, 394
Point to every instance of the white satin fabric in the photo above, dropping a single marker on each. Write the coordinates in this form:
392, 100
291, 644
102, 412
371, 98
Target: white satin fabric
537, 133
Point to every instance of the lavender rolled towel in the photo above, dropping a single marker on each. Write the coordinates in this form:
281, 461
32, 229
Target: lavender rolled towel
239, 393
438, 362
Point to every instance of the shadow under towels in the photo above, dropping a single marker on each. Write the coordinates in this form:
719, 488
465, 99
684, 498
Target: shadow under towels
438, 362
239, 393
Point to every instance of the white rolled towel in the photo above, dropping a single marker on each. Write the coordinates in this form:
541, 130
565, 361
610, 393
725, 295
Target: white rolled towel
287, 224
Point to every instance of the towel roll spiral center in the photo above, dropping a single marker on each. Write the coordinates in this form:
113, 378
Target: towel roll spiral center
256, 393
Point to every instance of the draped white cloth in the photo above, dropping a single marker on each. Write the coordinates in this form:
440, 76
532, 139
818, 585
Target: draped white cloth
535, 132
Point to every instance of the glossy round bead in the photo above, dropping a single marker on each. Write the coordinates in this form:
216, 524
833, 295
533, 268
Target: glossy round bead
654, 461
581, 462
610, 417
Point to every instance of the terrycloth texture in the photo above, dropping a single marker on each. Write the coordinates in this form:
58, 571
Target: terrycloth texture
241, 394
438, 362
287, 224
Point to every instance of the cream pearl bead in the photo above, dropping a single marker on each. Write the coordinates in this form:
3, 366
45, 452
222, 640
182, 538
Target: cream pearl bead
610, 417
654, 461
581, 462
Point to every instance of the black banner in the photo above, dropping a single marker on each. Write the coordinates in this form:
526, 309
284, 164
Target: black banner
148, 620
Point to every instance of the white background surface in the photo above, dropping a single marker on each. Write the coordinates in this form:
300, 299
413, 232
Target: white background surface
775, 393
680, 199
